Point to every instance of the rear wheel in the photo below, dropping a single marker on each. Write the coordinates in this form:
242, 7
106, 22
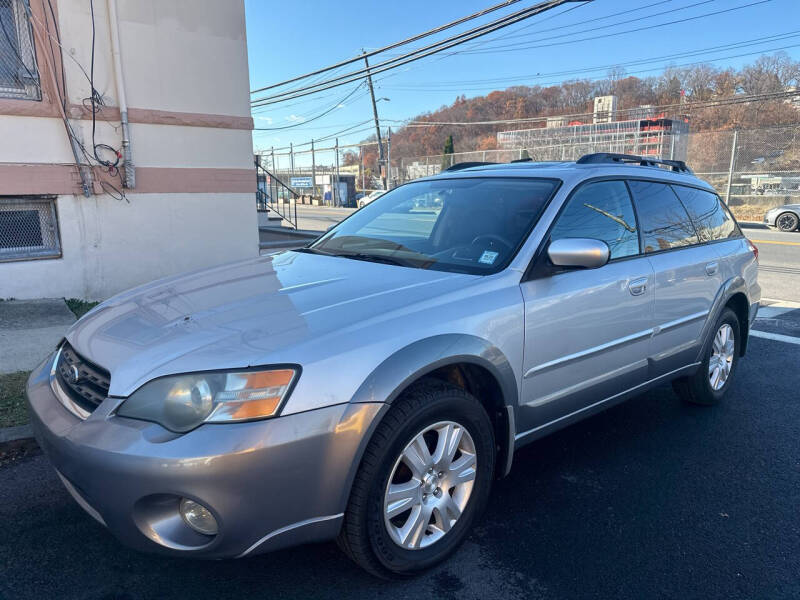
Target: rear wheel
787, 221
713, 378
424, 479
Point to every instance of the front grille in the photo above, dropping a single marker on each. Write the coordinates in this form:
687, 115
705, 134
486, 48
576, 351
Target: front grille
90, 387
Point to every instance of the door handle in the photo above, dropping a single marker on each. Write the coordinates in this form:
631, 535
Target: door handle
637, 287
711, 268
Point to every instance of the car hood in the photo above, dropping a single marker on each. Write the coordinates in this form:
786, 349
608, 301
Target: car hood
244, 314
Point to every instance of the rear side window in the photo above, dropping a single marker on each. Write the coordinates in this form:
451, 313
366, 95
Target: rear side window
711, 220
663, 219
601, 211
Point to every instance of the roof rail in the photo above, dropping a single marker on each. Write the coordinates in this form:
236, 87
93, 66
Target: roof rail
466, 165
612, 157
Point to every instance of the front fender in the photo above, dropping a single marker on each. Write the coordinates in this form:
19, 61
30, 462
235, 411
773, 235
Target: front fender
391, 377
408, 364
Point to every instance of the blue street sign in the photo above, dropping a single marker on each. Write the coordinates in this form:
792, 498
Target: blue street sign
300, 182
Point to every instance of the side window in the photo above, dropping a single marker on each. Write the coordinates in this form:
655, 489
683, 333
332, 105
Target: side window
710, 218
601, 211
663, 219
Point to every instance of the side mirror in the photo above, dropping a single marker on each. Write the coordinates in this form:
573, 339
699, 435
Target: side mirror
578, 252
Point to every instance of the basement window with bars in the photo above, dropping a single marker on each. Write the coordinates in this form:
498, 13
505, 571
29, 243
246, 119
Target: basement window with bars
19, 75
28, 228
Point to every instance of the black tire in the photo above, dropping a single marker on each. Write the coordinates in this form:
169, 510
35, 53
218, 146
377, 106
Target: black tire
697, 388
787, 221
364, 536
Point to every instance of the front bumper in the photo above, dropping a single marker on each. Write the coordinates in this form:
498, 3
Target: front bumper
270, 484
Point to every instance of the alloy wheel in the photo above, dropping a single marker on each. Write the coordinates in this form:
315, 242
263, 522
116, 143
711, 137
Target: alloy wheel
787, 222
721, 361
430, 485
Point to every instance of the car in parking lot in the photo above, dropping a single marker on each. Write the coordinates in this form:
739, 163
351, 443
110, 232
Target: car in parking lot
370, 386
784, 218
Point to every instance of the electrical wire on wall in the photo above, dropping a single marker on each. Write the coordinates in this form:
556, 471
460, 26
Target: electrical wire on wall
91, 160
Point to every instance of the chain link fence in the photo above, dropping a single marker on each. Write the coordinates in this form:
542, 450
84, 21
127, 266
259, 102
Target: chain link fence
28, 229
19, 74
753, 170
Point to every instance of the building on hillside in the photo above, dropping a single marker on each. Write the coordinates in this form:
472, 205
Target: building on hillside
91, 205
656, 136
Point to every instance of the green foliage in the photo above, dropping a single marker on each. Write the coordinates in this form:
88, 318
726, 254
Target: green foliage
12, 399
448, 149
80, 307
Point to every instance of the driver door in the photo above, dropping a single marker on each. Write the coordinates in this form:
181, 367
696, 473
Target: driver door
587, 331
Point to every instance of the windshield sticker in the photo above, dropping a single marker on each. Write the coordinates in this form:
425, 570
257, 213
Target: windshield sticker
488, 258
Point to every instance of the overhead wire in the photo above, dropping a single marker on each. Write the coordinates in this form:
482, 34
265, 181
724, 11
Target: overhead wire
518, 46
413, 55
458, 85
393, 45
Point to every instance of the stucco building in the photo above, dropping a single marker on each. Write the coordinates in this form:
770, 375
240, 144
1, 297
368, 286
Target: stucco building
90, 205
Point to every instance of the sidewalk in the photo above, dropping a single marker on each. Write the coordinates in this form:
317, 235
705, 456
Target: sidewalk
30, 330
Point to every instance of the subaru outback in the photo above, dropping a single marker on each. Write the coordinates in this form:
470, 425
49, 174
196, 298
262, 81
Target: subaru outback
370, 386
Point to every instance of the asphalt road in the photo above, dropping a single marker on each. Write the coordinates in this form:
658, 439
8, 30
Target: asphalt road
651, 499
779, 262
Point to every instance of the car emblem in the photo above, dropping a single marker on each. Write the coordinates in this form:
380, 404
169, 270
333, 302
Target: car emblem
74, 374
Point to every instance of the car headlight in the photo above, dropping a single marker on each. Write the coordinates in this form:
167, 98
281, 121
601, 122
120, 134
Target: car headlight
182, 402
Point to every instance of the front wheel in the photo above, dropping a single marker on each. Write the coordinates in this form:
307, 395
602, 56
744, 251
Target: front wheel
424, 479
713, 378
787, 221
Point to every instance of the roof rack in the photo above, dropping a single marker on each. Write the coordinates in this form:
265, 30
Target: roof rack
466, 165
611, 157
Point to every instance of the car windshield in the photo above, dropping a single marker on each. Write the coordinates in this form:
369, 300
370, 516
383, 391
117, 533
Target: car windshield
469, 225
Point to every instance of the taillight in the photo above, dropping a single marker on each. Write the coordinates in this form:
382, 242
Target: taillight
753, 248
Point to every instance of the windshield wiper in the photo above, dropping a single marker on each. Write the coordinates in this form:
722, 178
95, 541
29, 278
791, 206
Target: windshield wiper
388, 260
308, 250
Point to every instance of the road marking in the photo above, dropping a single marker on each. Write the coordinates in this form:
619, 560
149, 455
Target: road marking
770, 312
775, 242
780, 303
776, 337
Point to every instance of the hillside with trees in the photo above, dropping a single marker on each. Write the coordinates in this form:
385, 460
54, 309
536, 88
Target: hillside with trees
683, 89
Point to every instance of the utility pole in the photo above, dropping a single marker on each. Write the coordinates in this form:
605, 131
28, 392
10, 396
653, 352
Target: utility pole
313, 172
335, 195
388, 158
375, 114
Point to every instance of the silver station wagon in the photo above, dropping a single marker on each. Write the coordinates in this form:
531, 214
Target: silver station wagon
370, 386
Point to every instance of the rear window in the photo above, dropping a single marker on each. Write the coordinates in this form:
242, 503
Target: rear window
711, 219
662, 218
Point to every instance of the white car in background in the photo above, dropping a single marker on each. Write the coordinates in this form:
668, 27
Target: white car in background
370, 197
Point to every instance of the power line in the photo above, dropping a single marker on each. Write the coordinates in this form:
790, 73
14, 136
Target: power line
685, 107
518, 46
410, 40
414, 55
595, 28
515, 33
314, 118
458, 85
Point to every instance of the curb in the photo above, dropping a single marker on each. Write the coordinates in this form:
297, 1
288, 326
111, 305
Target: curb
13, 434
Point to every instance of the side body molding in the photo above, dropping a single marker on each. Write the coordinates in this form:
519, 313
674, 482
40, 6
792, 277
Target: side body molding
408, 364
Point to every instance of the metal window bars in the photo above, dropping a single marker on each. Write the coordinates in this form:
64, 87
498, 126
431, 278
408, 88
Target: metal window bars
19, 73
28, 229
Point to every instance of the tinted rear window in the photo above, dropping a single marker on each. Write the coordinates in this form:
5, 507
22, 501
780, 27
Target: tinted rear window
662, 217
711, 219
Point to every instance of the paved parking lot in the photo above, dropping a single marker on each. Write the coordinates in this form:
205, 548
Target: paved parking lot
652, 498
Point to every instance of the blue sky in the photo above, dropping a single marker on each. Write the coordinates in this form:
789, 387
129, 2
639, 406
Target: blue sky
286, 39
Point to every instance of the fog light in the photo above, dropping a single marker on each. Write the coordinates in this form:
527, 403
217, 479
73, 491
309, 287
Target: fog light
198, 517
